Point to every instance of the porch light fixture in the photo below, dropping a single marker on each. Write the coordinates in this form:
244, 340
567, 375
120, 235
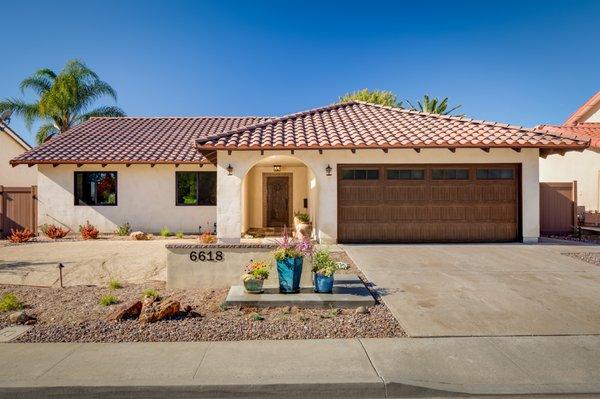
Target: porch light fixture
276, 168
328, 170
229, 169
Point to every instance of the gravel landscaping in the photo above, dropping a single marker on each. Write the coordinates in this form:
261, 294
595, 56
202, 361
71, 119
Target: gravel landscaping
72, 314
589, 257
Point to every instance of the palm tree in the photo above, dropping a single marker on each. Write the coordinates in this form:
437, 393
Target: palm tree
64, 99
433, 106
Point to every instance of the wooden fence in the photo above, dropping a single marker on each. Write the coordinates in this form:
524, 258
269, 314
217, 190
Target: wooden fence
18, 209
558, 208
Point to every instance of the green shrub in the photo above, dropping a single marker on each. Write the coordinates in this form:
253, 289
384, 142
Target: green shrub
302, 217
108, 300
256, 317
151, 293
179, 234
114, 284
165, 232
9, 301
123, 230
323, 263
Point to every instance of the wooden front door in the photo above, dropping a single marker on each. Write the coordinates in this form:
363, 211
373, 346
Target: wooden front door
277, 204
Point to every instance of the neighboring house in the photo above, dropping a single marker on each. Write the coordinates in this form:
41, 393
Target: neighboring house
11, 146
365, 173
584, 167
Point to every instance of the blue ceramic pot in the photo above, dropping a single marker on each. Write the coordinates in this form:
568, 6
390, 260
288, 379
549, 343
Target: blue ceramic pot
289, 271
323, 284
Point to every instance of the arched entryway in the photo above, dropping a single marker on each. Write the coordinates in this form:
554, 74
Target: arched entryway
274, 190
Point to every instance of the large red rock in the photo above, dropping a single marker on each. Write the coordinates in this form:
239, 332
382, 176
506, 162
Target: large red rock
129, 310
153, 310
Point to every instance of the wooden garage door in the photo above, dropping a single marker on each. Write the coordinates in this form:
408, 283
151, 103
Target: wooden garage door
428, 203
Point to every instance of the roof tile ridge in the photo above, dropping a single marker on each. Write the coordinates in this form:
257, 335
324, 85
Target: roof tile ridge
274, 120
184, 117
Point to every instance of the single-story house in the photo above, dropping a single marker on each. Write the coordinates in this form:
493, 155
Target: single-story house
583, 167
363, 172
11, 146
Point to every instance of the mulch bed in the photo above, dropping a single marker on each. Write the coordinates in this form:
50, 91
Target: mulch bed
73, 314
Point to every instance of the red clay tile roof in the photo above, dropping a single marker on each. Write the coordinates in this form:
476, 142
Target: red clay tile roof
357, 125
581, 111
583, 131
133, 140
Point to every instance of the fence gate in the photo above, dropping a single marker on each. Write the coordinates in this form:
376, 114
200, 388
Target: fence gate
18, 209
558, 207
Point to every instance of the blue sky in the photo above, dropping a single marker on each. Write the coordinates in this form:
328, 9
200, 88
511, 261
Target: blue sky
522, 62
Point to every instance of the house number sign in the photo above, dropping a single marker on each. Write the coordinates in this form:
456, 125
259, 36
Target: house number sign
207, 256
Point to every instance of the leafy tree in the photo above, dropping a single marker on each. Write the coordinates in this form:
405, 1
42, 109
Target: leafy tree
64, 99
380, 97
433, 105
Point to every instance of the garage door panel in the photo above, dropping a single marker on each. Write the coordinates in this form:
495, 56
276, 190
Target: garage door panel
406, 193
422, 209
361, 194
362, 213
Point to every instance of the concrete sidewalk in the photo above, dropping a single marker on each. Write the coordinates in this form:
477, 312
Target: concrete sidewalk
364, 368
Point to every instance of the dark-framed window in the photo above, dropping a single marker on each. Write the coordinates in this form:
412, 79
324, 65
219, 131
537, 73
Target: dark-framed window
406, 174
360, 174
450, 174
196, 188
96, 188
495, 174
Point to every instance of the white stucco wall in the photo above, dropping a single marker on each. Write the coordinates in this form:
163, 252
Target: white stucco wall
584, 167
18, 176
145, 197
229, 218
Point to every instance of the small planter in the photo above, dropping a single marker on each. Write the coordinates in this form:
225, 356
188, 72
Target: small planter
302, 229
323, 284
254, 286
289, 271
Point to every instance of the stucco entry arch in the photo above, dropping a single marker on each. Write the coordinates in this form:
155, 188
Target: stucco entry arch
230, 217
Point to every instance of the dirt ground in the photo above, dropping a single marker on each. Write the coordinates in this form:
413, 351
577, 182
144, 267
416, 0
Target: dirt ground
86, 262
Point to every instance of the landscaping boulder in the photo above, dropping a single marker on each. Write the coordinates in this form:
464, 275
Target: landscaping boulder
21, 317
153, 310
129, 310
139, 235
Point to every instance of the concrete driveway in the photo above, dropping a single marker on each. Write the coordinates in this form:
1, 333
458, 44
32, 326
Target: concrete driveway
481, 290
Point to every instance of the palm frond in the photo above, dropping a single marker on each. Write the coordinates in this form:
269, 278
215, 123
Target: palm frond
102, 111
45, 131
29, 111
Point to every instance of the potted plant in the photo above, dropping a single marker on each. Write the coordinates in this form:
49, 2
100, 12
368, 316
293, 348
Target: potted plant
302, 225
324, 269
289, 256
255, 276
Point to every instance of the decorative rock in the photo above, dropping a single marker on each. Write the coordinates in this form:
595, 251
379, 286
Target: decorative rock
21, 317
154, 311
187, 308
127, 311
361, 310
139, 235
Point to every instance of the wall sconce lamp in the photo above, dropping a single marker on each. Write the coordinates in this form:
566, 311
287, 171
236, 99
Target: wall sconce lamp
276, 168
229, 169
328, 170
